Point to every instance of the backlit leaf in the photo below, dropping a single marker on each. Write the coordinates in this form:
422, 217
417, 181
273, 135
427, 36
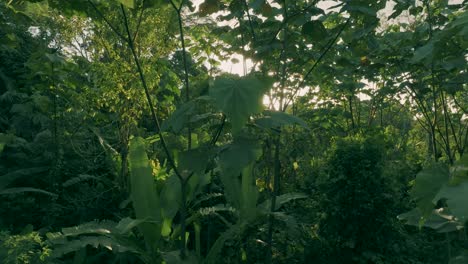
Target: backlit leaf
238, 98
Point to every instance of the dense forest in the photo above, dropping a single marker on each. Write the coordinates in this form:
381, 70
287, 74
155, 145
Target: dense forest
234, 131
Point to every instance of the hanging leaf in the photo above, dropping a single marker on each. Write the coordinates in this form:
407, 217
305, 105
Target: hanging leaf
438, 220
238, 98
143, 192
9, 178
180, 118
127, 224
233, 159
26, 189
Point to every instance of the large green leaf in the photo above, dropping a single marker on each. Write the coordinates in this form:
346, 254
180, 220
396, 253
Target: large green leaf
143, 192
180, 118
439, 220
238, 98
427, 184
249, 193
233, 159
457, 199
195, 160
423, 53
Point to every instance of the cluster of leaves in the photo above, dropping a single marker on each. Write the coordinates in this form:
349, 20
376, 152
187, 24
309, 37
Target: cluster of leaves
117, 110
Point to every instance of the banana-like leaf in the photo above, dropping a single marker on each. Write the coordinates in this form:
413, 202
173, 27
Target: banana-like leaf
143, 194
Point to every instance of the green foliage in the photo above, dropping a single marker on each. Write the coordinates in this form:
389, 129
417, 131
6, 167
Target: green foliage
238, 98
426, 186
23, 248
360, 202
143, 193
105, 234
79, 79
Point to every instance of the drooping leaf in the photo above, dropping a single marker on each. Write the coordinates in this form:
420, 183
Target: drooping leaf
180, 118
438, 220
10, 177
427, 184
127, 224
238, 98
96, 242
143, 192
240, 153
233, 159
26, 189
93, 227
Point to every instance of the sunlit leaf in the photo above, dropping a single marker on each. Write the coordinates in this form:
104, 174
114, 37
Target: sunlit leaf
143, 192
238, 98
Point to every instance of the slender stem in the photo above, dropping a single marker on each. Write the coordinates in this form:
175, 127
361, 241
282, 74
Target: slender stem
218, 132
107, 21
148, 96
274, 194
186, 77
183, 183
331, 44
250, 20
139, 21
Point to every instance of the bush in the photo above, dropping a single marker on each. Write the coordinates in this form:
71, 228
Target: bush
23, 248
360, 203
